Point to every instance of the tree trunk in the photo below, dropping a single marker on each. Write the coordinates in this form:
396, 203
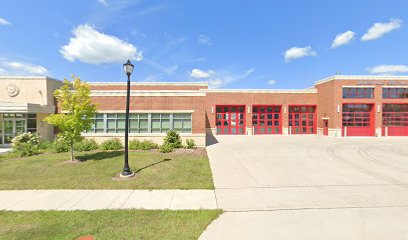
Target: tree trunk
72, 150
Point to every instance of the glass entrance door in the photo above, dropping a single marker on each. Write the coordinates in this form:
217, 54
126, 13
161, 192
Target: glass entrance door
11, 127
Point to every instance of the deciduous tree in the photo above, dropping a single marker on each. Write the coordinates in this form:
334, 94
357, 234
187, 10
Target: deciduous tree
76, 111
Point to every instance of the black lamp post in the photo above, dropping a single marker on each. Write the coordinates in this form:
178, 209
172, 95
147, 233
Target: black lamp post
128, 66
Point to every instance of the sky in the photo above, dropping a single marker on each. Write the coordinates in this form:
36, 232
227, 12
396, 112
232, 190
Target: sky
275, 44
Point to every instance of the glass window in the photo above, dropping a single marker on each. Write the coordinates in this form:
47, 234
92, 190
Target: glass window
365, 92
139, 123
395, 92
32, 122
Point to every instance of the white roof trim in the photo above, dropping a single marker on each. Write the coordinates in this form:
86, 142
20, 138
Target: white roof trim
358, 86
392, 86
142, 111
362, 77
309, 90
148, 93
15, 77
7, 107
149, 83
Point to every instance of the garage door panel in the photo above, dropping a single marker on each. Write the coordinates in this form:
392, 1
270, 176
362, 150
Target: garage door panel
359, 131
302, 119
395, 120
267, 119
358, 120
396, 131
230, 119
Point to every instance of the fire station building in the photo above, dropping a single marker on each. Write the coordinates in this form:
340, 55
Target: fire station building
338, 106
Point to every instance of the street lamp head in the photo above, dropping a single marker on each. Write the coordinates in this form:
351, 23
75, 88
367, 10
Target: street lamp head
128, 66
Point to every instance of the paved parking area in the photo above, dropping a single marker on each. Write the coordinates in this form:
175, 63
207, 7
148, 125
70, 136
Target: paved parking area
301, 180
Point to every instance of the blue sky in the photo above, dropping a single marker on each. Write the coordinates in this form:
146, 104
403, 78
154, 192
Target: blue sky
231, 44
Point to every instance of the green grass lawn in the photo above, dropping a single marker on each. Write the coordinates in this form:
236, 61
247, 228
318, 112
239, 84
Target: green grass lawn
105, 224
154, 171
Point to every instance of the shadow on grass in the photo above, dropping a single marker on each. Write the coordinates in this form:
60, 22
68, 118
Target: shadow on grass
99, 156
151, 165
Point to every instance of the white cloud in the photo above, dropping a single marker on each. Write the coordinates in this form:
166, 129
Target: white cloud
271, 82
203, 39
90, 46
4, 22
297, 52
218, 79
388, 69
103, 2
21, 68
343, 39
197, 73
379, 29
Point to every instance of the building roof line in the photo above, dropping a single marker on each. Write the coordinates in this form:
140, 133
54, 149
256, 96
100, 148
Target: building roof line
362, 77
308, 90
149, 83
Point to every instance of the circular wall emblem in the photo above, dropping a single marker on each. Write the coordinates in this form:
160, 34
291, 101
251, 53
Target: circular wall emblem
12, 90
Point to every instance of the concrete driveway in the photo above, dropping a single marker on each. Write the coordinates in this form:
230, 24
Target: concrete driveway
310, 187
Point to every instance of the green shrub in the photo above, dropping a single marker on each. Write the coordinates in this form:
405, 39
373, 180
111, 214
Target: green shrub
148, 144
166, 148
142, 145
190, 143
173, 138
26, 144
135, 144
46, 146
111, 144
86, 145
61, 145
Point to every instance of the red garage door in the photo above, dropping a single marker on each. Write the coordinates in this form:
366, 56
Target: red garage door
395, 120
267, 119
358, 120
302, 119
230, 119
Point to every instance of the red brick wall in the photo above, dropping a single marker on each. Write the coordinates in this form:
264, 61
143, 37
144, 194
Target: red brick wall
330, 94
146, 87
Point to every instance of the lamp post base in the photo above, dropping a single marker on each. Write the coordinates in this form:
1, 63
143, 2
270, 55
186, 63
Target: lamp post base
127, 175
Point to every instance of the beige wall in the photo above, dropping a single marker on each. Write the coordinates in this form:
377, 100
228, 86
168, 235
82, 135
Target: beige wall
36, 90
45, 130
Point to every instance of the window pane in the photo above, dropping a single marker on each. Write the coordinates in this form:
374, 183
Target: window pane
143, 116
166, 124
155, 123
121, 123
178, 124
155, 115
31, 123
187, 124
133, 123
99, 123
178, 115
144, 123
111, 124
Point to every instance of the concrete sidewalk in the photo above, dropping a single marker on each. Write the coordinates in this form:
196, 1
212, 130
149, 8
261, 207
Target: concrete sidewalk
31, 200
